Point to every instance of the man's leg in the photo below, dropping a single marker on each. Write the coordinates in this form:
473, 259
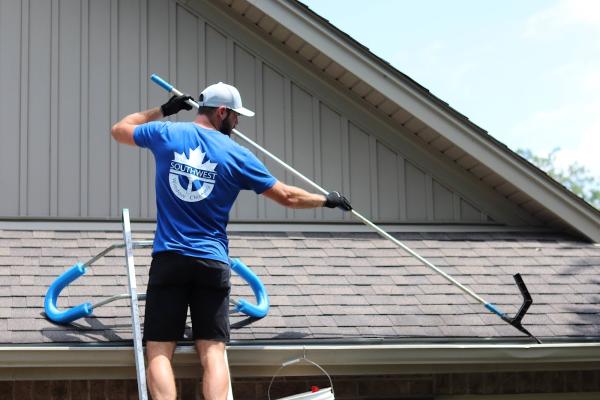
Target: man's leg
161, 380
215, 380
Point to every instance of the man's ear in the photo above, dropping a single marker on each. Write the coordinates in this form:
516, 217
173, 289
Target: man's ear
222, 112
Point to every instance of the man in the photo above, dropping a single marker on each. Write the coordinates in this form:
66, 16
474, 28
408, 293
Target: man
199, 173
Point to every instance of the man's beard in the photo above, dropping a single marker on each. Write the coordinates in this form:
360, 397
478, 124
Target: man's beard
226, 127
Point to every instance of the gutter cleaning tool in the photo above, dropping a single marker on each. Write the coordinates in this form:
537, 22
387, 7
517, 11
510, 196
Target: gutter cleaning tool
315, 393
514, 321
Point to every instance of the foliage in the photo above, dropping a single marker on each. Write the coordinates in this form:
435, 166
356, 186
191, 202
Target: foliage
576, 177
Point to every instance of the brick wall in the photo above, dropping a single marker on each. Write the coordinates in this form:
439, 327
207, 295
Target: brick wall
424, 386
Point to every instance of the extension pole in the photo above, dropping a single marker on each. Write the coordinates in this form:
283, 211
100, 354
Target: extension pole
169, 88
362, 218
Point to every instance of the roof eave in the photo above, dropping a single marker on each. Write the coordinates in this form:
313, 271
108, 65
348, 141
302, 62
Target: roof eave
104, 362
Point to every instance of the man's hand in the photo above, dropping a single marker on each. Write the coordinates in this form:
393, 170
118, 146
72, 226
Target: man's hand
176, 104
336, 200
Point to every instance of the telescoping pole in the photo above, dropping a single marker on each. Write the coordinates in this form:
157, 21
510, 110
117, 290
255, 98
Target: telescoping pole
514, 321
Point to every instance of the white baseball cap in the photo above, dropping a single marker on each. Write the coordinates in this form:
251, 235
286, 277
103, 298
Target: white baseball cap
222, 94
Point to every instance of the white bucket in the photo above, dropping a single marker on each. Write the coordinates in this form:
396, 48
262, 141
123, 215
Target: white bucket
323, 394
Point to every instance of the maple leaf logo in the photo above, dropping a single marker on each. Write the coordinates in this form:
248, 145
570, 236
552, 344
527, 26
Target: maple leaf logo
195, 160
201, 175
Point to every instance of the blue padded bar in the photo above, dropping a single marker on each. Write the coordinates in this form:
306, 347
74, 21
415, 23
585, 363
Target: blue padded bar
67, 316
262, 299
495, 310
161, 82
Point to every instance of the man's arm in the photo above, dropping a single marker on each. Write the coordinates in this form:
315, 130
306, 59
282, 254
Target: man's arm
123, 130
295, 197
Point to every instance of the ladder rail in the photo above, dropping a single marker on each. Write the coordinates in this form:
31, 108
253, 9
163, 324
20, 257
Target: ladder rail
135, 310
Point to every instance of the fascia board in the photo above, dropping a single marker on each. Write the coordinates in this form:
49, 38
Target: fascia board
93, 362
424, 354
582, 217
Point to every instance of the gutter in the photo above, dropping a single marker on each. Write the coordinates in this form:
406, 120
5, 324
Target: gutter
113, 362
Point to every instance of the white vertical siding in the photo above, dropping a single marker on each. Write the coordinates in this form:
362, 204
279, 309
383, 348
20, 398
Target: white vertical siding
245, 71
128, 98
303, 141
84, 125
187, 51
67, 152
443, 203
69, 69
216, 56
10, 105
273, 116
416, 205
97, 154
360, 177
158, 53
331, 136
41, 110
388, 183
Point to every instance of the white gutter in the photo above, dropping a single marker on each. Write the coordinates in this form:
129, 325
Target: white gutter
99, 362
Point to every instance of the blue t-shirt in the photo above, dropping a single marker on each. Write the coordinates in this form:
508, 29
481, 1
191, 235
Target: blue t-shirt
199, 173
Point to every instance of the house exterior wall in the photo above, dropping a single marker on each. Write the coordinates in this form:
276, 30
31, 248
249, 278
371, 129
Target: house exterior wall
576, 384
71, 68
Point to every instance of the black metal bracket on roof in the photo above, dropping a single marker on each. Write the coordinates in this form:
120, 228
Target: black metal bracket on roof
516, 320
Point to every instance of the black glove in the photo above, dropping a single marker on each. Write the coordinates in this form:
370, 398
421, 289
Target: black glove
334, 199
176, 104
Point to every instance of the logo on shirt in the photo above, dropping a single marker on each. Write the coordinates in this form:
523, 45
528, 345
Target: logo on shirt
191, 179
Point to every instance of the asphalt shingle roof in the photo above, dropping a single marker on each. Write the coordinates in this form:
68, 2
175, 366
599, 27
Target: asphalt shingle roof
344, 286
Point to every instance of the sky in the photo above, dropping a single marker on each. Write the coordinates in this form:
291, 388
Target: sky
528, 72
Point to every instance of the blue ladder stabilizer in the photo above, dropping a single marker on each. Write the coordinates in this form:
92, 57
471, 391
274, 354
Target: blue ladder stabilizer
85, 309
262, 299
70, 315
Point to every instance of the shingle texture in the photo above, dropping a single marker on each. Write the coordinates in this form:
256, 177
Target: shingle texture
348, 286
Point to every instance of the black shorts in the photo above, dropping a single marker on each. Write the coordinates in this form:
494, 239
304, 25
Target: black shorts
176, 282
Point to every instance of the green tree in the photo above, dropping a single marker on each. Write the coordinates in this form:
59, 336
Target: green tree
575, 177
